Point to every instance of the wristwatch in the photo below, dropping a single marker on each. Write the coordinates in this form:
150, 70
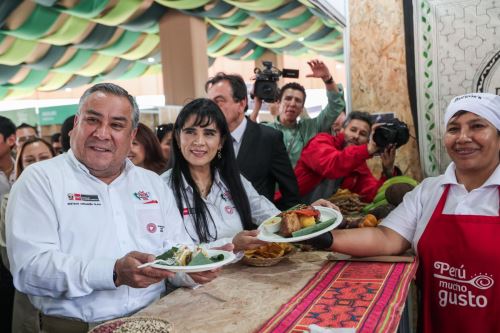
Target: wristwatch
329, 81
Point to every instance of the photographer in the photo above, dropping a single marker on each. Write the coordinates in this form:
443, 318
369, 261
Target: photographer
330, 162
291, 100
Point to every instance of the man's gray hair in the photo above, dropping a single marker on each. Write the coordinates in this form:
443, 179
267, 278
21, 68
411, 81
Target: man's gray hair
112, 89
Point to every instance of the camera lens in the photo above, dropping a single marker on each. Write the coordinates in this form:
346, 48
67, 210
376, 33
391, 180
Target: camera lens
394, 132
384, 136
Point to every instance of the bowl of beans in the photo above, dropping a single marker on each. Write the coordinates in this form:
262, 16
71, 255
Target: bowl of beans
136, 325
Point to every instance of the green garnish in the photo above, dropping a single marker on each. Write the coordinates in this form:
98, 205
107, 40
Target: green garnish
169, 254
217, 258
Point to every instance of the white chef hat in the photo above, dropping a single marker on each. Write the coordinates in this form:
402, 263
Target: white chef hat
482, 104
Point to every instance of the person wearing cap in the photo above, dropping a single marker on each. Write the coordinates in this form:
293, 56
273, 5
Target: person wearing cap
452, 223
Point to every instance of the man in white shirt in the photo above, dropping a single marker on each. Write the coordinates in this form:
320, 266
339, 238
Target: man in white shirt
80, 224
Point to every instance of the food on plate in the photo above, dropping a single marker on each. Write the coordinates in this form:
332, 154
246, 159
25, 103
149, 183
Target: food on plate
289, 223
296, 219
307, 221
270, 250
313, 228
273, 224
184, 256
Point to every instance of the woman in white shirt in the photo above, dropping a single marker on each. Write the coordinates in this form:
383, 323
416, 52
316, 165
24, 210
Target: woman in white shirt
216, 202
452, 222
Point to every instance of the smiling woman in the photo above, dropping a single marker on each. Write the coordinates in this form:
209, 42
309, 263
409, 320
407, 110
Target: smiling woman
216, 202
452, 222
146, 151
473, 144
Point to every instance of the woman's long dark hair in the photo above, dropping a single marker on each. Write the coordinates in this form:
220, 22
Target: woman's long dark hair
153, 156
207, 112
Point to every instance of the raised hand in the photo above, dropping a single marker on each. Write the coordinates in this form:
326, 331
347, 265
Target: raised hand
319, 70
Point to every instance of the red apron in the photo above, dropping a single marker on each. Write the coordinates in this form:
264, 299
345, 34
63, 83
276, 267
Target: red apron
459, 272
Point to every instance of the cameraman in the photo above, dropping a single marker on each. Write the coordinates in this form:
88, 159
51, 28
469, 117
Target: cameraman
292, 97
330, 162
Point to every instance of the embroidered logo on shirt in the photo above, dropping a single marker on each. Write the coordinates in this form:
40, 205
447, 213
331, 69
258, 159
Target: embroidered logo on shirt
229, 209
226, 196
83, 199
145, 196
151, 227
187, 211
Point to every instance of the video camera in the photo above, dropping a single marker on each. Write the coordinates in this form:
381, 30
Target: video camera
266, 87
393, 131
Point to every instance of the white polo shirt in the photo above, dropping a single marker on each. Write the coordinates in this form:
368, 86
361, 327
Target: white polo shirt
6, 182
227, 221
410, 218
66, 229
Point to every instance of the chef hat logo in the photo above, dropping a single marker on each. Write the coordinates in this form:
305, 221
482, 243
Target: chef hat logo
483, 104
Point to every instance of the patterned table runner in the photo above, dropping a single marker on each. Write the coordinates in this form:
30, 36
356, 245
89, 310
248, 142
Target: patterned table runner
368, 296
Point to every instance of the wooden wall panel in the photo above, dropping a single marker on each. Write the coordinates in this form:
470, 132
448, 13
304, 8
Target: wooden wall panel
378, 70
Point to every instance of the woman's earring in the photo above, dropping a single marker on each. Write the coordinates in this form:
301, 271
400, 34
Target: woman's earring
219, 154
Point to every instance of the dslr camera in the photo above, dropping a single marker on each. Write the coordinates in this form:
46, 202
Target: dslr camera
266, 86
392, 132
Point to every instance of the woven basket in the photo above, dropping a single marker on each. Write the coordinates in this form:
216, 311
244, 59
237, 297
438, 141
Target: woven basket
265, 262
135, 324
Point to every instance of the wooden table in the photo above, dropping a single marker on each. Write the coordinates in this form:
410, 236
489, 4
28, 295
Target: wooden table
242, 299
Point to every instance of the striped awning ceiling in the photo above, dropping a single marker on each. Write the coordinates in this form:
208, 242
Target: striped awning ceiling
48, 45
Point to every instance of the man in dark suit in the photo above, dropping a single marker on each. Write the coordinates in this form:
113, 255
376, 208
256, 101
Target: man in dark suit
260, 151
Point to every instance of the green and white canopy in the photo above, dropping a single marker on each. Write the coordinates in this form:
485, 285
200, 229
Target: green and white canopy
48, 45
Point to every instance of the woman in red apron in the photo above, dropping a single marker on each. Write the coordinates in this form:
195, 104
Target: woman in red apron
458, 274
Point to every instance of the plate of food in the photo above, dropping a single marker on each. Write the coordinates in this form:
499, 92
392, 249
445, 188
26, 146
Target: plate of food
191, 260
298, 224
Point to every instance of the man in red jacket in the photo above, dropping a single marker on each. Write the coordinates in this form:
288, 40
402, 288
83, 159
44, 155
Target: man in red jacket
330, 162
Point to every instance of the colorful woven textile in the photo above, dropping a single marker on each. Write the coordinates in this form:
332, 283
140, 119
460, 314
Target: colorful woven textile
367, 296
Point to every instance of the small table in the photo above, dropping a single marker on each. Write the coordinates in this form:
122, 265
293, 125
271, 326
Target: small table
244, 298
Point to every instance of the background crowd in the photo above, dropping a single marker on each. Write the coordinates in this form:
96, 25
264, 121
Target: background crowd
212, 177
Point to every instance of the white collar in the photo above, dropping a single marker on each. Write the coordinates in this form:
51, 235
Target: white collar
449, 176
217, 180
237, 134
73, 160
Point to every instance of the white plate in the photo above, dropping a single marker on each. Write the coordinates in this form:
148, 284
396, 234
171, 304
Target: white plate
326, 214
228, 258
